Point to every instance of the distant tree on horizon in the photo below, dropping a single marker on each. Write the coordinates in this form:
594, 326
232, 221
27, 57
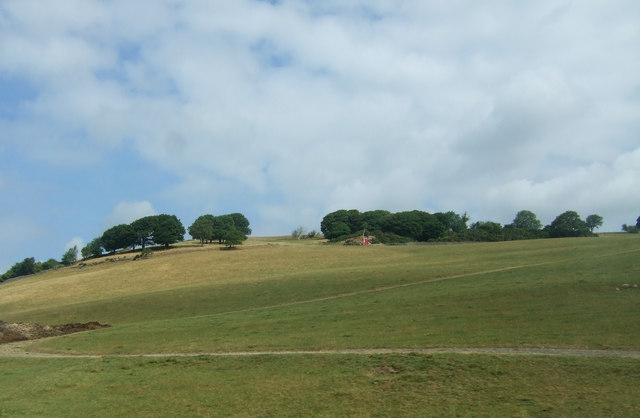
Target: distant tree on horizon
525, 219
168, 230
70, 256
594, 221
568, 224
118, 237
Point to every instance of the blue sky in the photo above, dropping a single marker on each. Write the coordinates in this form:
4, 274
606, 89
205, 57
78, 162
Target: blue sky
286, 110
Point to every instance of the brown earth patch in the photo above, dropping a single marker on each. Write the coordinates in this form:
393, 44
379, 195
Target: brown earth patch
21, 331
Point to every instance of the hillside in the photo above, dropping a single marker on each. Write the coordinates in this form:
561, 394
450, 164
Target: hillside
282, 295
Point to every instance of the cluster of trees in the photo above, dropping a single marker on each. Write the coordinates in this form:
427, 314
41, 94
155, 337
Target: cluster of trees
162, 229
156, 229
390, 227
634, 229
231, 229
301, 232
419, 226
30, 266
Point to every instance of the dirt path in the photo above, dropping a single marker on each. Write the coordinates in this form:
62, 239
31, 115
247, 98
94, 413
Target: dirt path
21, 350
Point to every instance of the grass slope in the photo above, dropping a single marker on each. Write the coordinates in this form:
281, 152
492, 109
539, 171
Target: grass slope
277, 294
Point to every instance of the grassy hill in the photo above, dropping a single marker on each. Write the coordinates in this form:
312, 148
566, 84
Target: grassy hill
277, 294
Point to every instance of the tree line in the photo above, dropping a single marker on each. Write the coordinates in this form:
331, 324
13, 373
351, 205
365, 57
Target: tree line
386, 227
633, 229
230, 230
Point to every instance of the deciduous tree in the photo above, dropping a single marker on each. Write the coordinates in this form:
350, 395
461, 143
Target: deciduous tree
203, 228
117, 237
568, 224
70, 256
594, 221
525, 219
168, 230
93, 249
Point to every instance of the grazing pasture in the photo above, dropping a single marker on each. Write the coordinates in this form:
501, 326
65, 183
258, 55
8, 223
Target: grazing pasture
337, 331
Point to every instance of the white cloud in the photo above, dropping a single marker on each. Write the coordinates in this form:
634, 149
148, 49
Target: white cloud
305, 107
127, 212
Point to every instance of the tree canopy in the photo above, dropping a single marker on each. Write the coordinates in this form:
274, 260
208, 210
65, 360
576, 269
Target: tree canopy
525, 219
594, 221
168, 230
232, 227
117, 237
568, 224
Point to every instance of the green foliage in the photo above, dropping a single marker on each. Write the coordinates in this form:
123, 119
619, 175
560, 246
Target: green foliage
209, 227
241, 223
143, 230
70, 256
168, 230
374, 219
568, 224
222, 225
485, 231
414, 225
93, 249
453, 222
341, 223
633, 229
51, 264
338, 230
23, 268
233, 237
526, 220
117, 237
203, 228
594, 221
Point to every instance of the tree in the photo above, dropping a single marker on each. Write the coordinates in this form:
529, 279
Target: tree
374, 219
352, 219
93, 249
638, 222
221, 226
143, 230
168, 230
528, 220
594, 221
70, 256
298, 232
338, 229
233, 237
241, 223
568, 224
203, 228
117, 237
485, 231
632, 229
452, 221
51, 263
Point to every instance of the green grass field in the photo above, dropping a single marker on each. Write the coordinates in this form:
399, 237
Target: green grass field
278, 294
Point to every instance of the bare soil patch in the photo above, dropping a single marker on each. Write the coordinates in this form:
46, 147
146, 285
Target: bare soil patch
21, 331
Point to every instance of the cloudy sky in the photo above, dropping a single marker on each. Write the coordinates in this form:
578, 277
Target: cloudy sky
286, 110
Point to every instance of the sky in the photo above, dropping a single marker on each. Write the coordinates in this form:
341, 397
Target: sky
286, 110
